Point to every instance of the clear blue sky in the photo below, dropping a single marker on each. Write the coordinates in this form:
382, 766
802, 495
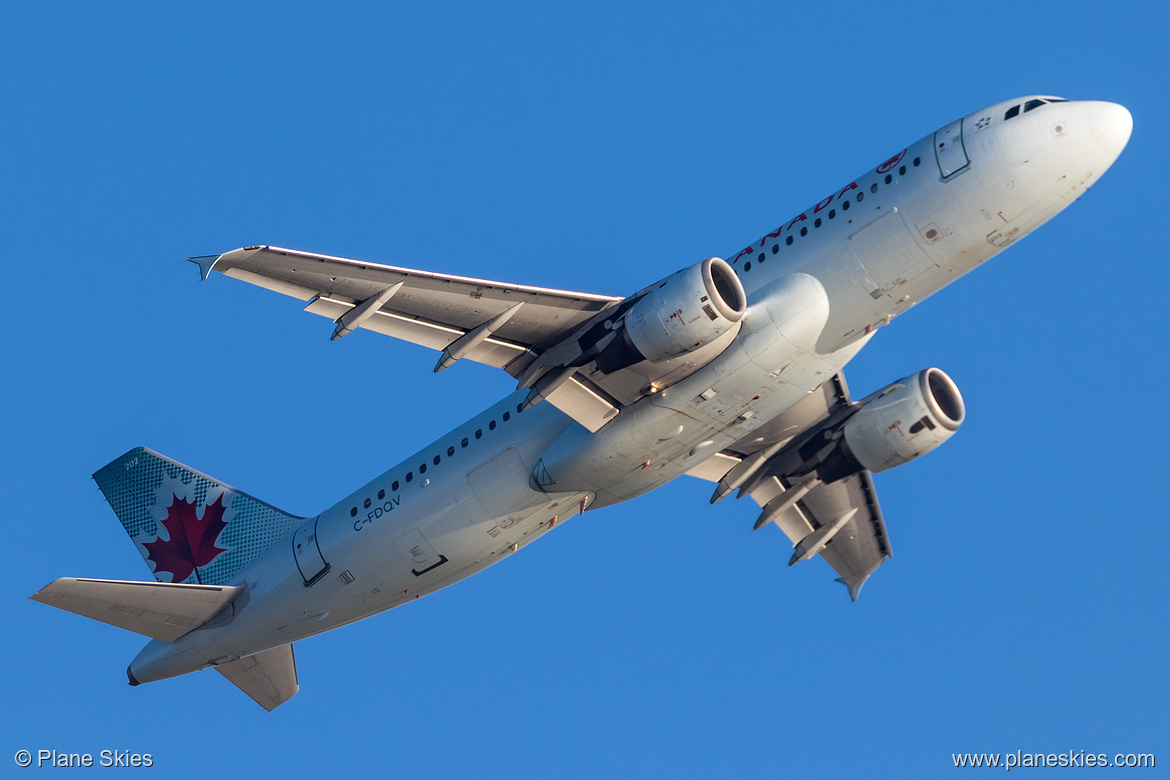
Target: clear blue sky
548, 144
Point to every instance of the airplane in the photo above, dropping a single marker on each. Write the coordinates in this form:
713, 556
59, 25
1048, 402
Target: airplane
728, 370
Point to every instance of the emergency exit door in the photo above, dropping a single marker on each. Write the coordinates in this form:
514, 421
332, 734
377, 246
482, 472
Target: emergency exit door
950, 151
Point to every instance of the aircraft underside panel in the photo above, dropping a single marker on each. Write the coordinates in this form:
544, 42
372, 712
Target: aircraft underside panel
501, 485
420, 556
889, 254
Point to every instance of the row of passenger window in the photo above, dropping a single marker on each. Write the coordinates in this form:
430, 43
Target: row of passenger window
845, 205
437, 459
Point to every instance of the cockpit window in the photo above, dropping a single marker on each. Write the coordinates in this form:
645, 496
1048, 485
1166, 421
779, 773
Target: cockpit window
1014, 111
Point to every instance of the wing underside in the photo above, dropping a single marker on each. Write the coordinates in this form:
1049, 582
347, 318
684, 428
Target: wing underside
840, 520
425, 308
507, 326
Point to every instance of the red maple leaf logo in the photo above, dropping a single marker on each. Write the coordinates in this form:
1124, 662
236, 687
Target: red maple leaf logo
192, 542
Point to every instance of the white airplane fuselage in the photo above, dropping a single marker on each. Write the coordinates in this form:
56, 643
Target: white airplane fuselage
817, 289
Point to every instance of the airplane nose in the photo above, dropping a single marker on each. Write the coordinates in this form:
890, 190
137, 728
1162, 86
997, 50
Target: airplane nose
1111, 124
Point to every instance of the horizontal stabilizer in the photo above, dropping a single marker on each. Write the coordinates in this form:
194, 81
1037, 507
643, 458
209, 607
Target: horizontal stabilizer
160, 610
270, 678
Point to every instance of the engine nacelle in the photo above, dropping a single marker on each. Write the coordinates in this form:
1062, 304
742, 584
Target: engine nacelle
680, 314
906, 420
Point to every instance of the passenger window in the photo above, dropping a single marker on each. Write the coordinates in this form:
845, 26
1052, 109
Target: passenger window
437, 459
775, 248
422, 468
450, 451
479, 433
788, 241
463, 443
367, 503
492, 425
353, 512
747, 266
817, 223
394, 486
381, 494
409, 476
507, 416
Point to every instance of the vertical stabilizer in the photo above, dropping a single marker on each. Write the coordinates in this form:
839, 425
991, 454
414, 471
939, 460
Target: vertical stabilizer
187, 526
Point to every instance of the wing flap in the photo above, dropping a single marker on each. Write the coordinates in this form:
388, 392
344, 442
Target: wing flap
715, 467
582, 404
792, 522
268, 283
160, 610
269, 678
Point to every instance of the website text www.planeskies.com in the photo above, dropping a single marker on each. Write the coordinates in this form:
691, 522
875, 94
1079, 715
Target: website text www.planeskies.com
1070, 758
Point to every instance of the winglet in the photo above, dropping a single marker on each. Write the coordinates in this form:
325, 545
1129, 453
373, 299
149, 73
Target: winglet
854, 589
205, 263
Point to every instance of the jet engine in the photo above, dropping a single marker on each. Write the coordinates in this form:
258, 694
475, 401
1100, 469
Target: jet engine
678, 315
908, 419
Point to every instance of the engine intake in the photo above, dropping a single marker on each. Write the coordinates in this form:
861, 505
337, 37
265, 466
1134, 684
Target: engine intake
902, 422
678, 315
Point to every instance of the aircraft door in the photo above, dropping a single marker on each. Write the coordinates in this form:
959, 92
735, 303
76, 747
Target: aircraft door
307, 553
949, 150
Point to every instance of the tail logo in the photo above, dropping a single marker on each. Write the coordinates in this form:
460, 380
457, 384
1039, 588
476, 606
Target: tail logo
191, 541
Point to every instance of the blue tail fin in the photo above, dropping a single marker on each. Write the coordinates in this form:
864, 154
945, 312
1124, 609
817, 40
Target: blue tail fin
186, 525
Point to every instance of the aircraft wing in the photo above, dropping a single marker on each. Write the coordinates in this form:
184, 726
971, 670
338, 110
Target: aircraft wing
433, 310
858, 548
846, 510
503, 325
